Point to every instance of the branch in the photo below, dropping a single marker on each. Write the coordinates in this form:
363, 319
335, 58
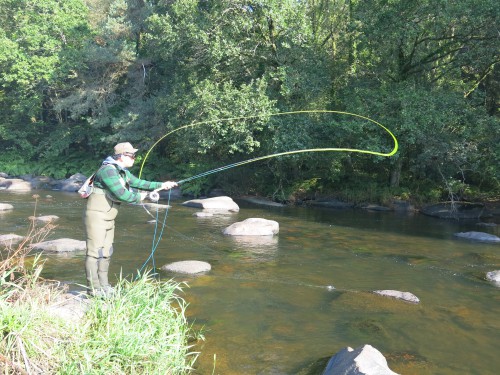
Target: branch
487, 71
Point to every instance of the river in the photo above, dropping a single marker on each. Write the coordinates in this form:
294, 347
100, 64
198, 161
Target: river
283, 305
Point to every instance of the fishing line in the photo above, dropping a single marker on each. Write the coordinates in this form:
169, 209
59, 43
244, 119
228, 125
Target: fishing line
329, 288
156, 239
240, 163
329, 149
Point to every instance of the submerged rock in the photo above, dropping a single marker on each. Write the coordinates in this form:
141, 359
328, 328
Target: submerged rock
483, 224
156, 206
405, 296
45, 219
61, 245
365, 360
188, 266
10, 239
478, 236
203, 214
253, 227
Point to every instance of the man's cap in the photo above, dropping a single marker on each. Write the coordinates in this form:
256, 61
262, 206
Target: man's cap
125, 147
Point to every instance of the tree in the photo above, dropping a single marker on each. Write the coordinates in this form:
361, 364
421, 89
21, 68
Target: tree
418, 61
38, 40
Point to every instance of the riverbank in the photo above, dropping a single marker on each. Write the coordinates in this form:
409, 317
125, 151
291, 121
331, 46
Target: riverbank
483, 208
142, 329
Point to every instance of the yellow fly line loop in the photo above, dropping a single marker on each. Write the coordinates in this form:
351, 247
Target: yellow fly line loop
328, 149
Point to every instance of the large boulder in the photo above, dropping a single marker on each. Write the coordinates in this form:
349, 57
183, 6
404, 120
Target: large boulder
253, 227
365, 360
61, 245
216, 203
478, 236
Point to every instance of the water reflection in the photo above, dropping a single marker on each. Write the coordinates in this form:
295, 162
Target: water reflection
263, 245
265, 306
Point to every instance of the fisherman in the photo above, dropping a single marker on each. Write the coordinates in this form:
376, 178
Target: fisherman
112, 186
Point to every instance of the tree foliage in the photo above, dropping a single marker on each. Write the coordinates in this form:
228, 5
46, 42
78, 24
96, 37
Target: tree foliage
79, 75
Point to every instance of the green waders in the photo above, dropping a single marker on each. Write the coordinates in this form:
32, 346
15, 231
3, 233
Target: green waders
99, 219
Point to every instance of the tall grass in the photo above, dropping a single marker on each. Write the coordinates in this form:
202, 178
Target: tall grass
142, 329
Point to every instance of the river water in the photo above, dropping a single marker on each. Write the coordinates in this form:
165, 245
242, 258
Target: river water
283, 305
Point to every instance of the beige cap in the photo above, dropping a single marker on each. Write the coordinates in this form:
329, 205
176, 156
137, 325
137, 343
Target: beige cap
125, 147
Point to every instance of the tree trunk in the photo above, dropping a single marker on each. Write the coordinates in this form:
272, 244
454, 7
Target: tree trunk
396, 173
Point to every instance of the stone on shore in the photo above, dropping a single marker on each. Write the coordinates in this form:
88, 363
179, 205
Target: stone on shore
61, 245
261, 201
375, 207
191, 267
331, 203
478, 236
6, 207
70, 307
72, 183
216, 203
405, 296
253, 227
15, 184
456, 210
365, 360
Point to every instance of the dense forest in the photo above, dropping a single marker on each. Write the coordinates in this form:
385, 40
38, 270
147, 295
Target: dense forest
78, 76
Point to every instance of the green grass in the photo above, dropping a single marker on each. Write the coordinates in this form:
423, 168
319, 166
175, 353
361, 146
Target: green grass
141, 330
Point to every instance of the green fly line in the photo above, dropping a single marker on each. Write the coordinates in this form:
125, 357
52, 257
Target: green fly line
157, 236
327, 149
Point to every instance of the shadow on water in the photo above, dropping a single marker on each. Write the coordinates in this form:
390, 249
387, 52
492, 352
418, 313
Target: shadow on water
284, 305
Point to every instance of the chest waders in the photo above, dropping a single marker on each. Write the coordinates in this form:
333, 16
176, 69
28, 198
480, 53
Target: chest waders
99, 218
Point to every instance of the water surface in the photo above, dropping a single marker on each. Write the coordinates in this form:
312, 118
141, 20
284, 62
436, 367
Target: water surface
280, 305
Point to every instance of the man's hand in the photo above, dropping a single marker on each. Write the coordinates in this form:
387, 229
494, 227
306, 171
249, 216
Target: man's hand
144, 194
168, 185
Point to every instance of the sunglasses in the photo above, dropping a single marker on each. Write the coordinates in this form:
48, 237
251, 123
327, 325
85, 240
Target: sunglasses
131, 156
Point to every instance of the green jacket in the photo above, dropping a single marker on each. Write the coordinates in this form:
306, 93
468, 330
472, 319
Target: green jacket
118, 181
